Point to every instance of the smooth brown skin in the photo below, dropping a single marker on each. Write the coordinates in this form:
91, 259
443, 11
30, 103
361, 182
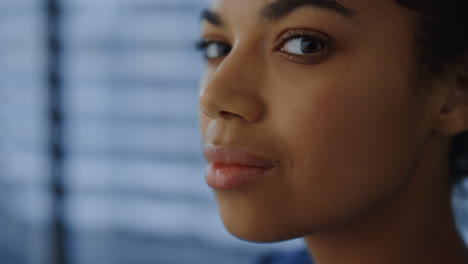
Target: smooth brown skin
361, 135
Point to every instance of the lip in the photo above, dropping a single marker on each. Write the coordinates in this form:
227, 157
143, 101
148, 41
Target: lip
232, 167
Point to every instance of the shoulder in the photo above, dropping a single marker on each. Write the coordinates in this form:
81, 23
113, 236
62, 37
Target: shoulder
300, 256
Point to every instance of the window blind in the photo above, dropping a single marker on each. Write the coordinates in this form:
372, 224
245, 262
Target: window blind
25, 200
133, 167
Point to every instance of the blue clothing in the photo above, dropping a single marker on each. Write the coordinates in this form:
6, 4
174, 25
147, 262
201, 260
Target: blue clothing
293, 257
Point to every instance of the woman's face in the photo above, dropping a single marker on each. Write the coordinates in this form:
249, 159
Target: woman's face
324, 94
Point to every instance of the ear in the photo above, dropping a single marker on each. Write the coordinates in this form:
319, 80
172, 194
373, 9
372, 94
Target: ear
452, 114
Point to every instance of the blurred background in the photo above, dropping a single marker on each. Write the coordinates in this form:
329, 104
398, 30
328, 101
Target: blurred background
100, 154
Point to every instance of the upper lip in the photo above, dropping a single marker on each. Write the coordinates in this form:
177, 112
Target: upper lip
228, 155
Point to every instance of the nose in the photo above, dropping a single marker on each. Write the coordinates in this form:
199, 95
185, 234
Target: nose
232, 90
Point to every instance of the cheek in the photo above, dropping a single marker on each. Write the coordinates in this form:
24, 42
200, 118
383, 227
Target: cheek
352, 143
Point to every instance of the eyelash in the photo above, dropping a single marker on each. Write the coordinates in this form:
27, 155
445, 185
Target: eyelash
203, 45
305, 34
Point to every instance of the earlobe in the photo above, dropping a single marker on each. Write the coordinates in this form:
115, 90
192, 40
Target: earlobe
451, 125
453, 112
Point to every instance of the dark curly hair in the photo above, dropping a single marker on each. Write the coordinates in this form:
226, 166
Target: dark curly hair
442, 35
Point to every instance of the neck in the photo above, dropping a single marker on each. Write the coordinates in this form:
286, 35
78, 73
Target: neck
416, 226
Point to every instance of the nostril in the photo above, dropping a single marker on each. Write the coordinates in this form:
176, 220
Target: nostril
226, 114
231, 104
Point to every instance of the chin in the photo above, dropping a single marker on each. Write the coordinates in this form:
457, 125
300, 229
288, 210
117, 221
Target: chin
257, 233
256, 225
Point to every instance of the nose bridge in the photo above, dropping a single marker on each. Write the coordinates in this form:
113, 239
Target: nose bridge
232, 90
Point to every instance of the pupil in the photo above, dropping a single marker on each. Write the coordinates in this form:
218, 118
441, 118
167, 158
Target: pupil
223, 49
311, 46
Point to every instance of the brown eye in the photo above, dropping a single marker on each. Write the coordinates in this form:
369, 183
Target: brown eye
213, 49
304, 45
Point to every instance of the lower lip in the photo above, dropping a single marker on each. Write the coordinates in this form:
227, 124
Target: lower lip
228, 177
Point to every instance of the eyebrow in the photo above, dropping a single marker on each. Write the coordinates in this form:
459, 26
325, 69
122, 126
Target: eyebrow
281, 8
212, 17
